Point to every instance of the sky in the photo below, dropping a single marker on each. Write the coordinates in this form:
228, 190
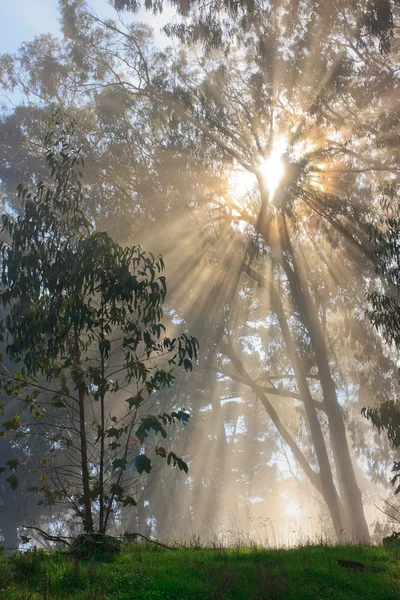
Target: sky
22, 20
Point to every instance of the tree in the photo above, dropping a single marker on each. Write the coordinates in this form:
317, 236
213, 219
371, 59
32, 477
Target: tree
85, 320
384, 311
234, 106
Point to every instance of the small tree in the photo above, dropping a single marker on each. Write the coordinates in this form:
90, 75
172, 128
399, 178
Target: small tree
384, 313
84, 317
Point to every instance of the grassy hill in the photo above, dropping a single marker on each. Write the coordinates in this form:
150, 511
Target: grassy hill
147, 572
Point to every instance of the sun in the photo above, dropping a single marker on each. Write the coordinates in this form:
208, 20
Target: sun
272, 168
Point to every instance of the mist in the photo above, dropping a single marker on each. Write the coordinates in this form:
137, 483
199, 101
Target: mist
253, 155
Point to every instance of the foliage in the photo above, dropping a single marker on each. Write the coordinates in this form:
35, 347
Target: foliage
85, 318
209, 22
384, 315
385, 305
392, 540
147, 572
95, 545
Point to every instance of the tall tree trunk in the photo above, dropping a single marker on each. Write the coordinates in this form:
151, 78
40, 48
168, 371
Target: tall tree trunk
9, 532
280, 244
9, 519
349, 490
102, 391
322, 481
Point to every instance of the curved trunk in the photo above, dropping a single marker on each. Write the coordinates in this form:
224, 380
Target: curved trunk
280, 244
327, 484
322, 481
350, 492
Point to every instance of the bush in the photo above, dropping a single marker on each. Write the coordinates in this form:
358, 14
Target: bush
392, 540
95, 545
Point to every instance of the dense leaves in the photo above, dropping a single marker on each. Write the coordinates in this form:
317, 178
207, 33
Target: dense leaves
84, 317
216, 23
385, 312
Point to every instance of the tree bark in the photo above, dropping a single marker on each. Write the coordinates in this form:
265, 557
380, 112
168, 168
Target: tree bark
348, 487
280, 244
88, 524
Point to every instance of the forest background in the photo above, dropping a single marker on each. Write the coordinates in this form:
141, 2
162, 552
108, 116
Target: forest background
270, 274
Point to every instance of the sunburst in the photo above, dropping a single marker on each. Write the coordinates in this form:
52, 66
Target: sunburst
272, 168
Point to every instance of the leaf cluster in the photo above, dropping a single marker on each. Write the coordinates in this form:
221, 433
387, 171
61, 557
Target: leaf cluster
85, 320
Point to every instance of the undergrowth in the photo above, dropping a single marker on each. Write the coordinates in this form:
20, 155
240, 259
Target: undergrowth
147, 572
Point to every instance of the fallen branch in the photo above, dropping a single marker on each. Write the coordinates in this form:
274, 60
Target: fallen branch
133, 536
48, 536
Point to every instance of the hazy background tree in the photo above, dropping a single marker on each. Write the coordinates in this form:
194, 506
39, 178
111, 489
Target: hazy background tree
384, 311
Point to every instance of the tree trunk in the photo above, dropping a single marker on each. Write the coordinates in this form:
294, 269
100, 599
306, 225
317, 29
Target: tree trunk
102, 520
322, 481
348, 487
351, 514
9, 521
88, 524
349, 490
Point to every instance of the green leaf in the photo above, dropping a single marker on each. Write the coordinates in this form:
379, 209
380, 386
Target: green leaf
129, 501
176, 461
13, 481
59, 402
12, 424
117, 490
149, 423
13, 464
119, 463
187, 364
181, 415
142, 463
182, 466
135, 401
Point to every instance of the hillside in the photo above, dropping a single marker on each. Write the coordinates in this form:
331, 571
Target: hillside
145, 572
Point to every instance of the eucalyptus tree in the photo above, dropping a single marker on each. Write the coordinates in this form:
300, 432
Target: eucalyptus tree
85, 320
384, 308
218, 23
283, 102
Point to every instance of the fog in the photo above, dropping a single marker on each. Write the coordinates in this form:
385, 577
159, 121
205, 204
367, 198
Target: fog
252, 151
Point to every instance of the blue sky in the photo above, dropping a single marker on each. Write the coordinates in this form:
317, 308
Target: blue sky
22, 20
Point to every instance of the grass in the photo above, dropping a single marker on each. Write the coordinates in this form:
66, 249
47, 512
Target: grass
148, 572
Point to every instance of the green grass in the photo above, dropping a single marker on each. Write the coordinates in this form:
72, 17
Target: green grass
147, 572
